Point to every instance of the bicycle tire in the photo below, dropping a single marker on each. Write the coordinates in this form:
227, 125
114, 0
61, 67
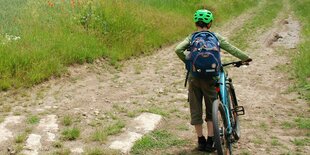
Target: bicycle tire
220, 142
234, 116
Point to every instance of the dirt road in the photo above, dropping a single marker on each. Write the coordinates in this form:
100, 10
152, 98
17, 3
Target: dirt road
94, 96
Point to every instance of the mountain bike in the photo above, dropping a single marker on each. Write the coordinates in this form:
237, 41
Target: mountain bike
225, 112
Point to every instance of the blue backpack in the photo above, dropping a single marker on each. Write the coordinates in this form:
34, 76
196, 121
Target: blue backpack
204, 60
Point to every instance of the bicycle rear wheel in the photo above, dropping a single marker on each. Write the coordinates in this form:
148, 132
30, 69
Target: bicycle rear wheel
219, 128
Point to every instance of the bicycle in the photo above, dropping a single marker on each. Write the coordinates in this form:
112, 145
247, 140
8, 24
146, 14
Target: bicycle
225, 112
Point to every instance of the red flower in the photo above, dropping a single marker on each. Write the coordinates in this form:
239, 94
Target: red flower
50, 4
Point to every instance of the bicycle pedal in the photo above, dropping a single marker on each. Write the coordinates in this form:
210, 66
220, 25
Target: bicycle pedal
239, 110
221, 132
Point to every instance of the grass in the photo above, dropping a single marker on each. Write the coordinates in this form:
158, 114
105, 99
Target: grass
301, 60
33, 119
264, 126
182, 127
18, 148
6, 108
160, 139
101, 134
299, 123
275, 142
98, 151
57, 144
71, 134
1, 119
95, 151
132, 114
301, 142
64, 151
263, 17
303, 123
287, 125
245, 152
67, 120
63, 33
159, 111
21, 138
115, 128
119, 108
258, 141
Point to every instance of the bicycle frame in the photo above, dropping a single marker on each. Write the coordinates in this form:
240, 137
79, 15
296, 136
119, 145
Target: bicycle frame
226, 128
224, 98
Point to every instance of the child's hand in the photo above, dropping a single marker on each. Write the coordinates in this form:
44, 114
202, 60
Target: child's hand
248, 60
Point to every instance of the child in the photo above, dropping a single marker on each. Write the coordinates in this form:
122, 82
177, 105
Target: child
204, 88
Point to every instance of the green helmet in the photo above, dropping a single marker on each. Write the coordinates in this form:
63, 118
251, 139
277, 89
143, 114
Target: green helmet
203, 15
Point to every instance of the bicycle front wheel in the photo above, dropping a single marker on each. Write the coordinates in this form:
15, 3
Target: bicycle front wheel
219, 128
234, 116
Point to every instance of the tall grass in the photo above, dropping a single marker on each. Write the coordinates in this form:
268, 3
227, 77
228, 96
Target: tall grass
57, 33
302, 60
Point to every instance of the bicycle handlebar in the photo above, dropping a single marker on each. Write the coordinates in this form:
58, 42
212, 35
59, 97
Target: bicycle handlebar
236, 63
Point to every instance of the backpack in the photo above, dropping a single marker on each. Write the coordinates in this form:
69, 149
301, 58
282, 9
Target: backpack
204, 60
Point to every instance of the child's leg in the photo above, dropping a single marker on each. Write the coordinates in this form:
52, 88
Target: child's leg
210, 95
199, 130
210, 128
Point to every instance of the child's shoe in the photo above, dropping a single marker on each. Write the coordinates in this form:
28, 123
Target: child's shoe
210, 145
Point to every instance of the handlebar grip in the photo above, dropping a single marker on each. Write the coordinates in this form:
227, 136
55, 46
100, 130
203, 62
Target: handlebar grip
238, 64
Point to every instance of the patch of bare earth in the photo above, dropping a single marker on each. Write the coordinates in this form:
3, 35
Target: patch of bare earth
262, 89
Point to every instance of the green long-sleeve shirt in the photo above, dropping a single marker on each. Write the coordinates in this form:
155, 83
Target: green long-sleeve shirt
224, 44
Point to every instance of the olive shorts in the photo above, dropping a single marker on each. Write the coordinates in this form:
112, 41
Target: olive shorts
197, 90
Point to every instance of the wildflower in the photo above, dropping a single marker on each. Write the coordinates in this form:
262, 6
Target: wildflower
72, 3
50, 4
12, 37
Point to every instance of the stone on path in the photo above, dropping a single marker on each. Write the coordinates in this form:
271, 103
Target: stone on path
77, 150
5, 133
144, 123
33, 145
126, 142
147, 122
47, 128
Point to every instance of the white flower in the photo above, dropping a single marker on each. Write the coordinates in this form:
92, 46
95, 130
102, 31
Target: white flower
12, 37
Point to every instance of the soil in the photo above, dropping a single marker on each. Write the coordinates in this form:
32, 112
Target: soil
96, 95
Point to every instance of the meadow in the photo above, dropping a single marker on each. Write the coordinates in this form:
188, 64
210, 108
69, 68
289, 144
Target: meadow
41, 39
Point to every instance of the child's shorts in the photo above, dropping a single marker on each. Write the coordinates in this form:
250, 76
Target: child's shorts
197, 90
